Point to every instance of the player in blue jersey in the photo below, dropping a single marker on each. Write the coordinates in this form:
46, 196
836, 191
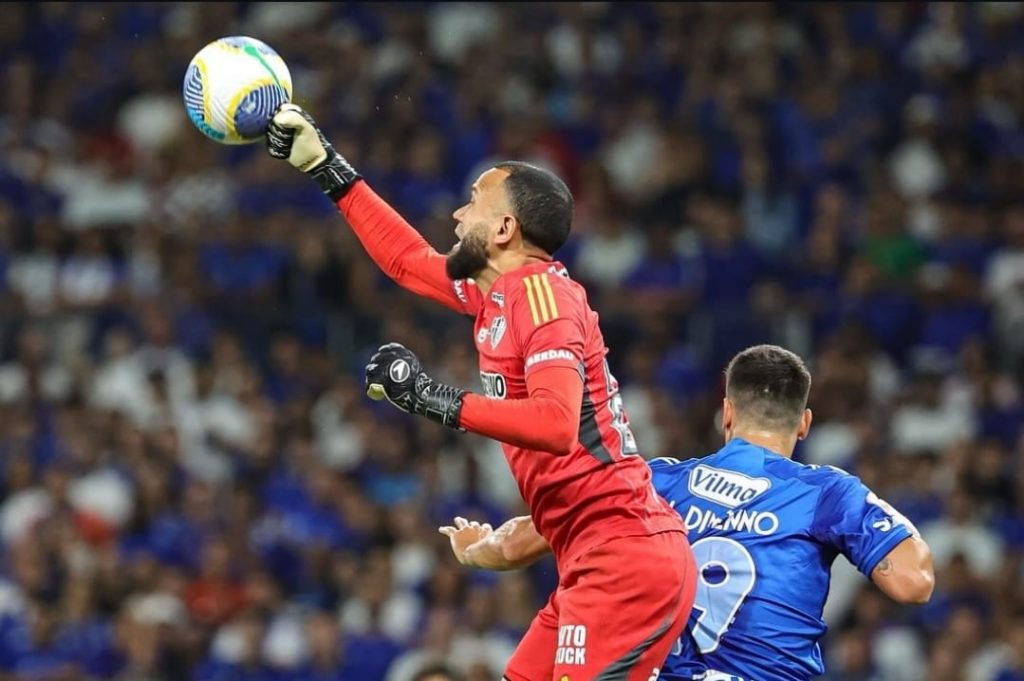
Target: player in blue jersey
764, 531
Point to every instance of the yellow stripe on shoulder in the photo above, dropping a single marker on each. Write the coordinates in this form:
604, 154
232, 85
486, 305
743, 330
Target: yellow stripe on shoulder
533, 302
541, 297
545, 280
542, 305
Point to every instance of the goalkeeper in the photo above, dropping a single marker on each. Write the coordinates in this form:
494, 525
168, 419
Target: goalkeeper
549, 398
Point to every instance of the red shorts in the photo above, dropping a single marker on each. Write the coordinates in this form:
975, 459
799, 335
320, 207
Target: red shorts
615, 615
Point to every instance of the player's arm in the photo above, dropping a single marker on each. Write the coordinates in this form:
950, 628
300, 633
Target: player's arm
515, 544
547, 420
906, 574
398, 249
545, 325
878, 539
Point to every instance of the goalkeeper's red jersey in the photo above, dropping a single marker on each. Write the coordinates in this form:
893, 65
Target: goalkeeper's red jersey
537, 317
533, 318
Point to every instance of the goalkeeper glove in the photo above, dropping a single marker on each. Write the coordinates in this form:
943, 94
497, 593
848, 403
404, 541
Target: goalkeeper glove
293, 135
394, 372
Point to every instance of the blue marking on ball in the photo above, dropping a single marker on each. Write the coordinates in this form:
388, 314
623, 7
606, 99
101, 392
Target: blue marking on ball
257, 108
192, 93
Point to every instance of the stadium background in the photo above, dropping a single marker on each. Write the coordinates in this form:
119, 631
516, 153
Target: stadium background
193, 485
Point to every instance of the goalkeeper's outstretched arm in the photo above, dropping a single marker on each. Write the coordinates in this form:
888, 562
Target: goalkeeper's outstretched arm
398, 249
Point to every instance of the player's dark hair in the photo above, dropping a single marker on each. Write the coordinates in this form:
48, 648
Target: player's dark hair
441, 670
768, 385
541, 202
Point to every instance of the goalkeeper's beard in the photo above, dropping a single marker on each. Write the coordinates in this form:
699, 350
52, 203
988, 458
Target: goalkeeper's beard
468, 259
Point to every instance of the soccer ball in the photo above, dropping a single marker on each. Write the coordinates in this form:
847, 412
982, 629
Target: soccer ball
232, 88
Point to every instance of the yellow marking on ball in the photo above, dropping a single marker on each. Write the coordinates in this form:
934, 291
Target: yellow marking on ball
376, 391
228, 47
204, 78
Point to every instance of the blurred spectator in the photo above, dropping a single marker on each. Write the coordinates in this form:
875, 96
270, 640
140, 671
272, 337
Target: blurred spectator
959, 532
438, 672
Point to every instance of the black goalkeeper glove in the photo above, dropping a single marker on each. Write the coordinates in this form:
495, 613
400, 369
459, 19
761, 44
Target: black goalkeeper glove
293, 135
394, 372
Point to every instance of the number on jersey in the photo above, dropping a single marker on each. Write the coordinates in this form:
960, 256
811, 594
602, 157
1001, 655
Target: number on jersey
620, 422
725, 576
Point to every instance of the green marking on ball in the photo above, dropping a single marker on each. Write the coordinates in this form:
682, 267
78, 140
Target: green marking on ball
253, 52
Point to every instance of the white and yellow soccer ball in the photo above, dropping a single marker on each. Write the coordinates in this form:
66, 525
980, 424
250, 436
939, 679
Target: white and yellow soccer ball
232, 88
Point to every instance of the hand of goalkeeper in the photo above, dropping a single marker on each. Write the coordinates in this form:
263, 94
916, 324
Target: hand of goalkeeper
395, 373
293, 135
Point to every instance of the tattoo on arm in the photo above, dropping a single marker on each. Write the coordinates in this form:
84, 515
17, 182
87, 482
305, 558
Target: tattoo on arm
884, 567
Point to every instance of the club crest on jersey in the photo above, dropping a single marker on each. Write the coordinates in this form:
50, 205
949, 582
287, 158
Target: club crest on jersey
727, 488
497, 330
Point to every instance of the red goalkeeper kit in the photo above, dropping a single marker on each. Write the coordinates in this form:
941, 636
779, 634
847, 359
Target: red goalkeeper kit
626, 575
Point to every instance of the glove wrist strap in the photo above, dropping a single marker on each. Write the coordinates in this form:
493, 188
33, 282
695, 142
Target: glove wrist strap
442, 403
335, 176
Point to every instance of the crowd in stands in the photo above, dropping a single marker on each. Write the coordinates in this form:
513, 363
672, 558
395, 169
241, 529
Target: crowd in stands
192, 483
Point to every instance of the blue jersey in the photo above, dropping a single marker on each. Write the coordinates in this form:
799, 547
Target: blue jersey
764, 531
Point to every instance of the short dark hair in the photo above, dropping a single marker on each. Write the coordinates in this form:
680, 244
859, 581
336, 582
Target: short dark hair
439, 669
768, 385
541, 202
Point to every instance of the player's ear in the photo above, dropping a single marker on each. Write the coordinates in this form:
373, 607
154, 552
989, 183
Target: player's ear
728, 415
507, 229
805, 424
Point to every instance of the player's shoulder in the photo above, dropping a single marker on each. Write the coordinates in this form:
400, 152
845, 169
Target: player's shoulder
669, 464
541, 277
795, 478
822, 476
545, 292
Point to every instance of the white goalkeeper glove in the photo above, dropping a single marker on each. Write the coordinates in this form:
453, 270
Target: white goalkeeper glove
293, 135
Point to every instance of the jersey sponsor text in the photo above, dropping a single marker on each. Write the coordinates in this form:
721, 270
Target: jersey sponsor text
572, 644
727, 488
495, 385
548, 355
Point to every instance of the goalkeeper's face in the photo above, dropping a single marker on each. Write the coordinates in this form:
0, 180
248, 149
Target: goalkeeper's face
481, 224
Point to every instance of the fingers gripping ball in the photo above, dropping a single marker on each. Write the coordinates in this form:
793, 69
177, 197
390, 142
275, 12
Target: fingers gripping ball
232, 88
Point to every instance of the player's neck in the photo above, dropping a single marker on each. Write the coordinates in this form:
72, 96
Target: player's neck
783, 445
507, 261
